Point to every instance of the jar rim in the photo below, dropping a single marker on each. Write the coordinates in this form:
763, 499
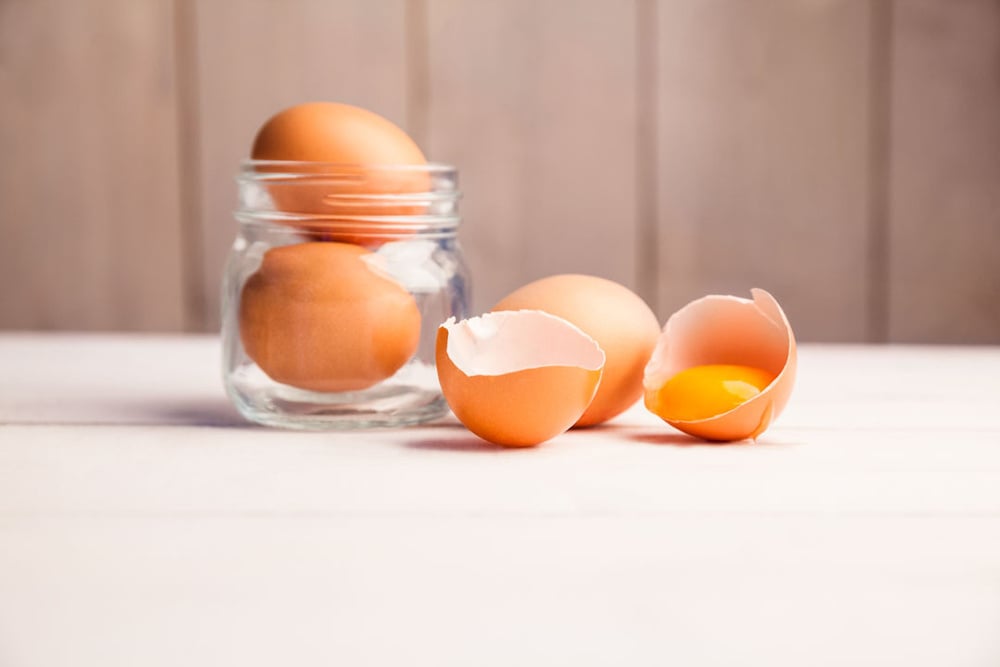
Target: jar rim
369, 199
251, 169
364, 227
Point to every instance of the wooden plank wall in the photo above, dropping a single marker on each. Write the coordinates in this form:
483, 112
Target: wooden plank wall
843, 153
544, 130
944, 166
90, 234
763, 157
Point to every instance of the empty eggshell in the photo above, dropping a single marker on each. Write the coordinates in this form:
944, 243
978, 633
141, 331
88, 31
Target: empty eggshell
517, 378
727, 330
615, 316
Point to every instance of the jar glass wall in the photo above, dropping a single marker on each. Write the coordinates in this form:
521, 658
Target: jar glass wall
335, 286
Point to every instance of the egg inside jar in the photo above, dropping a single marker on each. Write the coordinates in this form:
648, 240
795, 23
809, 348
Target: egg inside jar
345, 263
318, 317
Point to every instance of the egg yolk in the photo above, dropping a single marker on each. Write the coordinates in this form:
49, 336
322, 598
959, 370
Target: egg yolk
706, 391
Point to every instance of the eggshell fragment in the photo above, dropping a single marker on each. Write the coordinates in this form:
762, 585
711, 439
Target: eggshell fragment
728, 330
616, 317
517, 378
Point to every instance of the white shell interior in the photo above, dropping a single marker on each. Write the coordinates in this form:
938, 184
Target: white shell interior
516, 340
722, 330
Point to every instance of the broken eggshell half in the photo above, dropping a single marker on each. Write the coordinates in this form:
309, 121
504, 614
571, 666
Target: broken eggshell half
517, 378
720, 329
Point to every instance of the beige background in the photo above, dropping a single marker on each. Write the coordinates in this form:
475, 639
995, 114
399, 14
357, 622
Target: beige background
844, 154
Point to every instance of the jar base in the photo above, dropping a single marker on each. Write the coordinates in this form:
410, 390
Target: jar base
400, 401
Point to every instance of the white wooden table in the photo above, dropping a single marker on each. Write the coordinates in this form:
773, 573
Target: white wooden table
142, 523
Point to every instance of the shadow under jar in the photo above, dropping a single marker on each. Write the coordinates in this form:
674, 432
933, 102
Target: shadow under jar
334, 290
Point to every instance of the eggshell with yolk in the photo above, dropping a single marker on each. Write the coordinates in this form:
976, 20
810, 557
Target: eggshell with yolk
720, 329
517, 378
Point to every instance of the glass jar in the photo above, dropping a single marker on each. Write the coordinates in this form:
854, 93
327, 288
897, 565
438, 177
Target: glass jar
334, 290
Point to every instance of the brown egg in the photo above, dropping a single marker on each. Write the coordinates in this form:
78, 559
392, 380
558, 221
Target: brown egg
723, 368
343, 155
317, 316
517, 378
617, 318
334, 133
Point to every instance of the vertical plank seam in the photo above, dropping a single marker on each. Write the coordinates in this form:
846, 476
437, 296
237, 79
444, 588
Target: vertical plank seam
647, 148
879, 166
417, 69
189, 165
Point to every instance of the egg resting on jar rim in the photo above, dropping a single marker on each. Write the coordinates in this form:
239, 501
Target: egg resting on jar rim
322, 150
